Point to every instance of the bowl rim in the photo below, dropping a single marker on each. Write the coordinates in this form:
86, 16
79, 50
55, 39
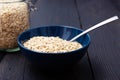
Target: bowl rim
21, 45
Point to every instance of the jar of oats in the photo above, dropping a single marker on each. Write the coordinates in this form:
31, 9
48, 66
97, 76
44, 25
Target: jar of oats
14, 19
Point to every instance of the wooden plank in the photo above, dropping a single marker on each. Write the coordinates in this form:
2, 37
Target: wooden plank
116, 3
12, 67
2, 55
104, 51
55, 12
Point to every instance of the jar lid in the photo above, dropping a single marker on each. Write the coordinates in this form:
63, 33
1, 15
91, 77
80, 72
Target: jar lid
10, 0
29, 2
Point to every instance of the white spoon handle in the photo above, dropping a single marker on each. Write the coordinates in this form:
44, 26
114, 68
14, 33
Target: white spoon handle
95, 26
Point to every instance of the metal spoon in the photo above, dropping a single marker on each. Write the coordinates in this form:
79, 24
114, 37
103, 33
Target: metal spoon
95, 26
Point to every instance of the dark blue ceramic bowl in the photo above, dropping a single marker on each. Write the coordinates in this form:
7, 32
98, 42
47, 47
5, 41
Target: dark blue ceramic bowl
52, 60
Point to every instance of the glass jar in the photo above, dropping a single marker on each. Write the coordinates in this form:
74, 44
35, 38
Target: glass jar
14, 19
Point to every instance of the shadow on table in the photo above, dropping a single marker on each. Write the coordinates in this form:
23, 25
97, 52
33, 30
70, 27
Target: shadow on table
67, 74
79, 72
3, 53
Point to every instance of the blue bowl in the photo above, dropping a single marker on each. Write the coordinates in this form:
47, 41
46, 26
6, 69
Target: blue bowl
52, 60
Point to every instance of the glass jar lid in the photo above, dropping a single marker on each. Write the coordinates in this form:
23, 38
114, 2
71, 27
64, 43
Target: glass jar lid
10, 0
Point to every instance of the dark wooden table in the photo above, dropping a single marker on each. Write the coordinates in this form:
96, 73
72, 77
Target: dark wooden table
101, 62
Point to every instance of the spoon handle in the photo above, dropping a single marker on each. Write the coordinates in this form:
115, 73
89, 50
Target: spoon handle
95, 26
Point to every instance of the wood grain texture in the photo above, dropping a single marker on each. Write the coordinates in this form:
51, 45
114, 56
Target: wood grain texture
12, 67
55, 12
2, 54
104, 51
116, 3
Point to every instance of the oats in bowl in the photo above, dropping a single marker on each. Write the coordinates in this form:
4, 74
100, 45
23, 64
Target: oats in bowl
51, 44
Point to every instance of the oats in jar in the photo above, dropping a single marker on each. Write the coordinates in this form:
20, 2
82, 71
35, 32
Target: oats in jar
14, 19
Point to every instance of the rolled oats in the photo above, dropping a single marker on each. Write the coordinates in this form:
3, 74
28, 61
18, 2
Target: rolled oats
14, 19
51, 44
